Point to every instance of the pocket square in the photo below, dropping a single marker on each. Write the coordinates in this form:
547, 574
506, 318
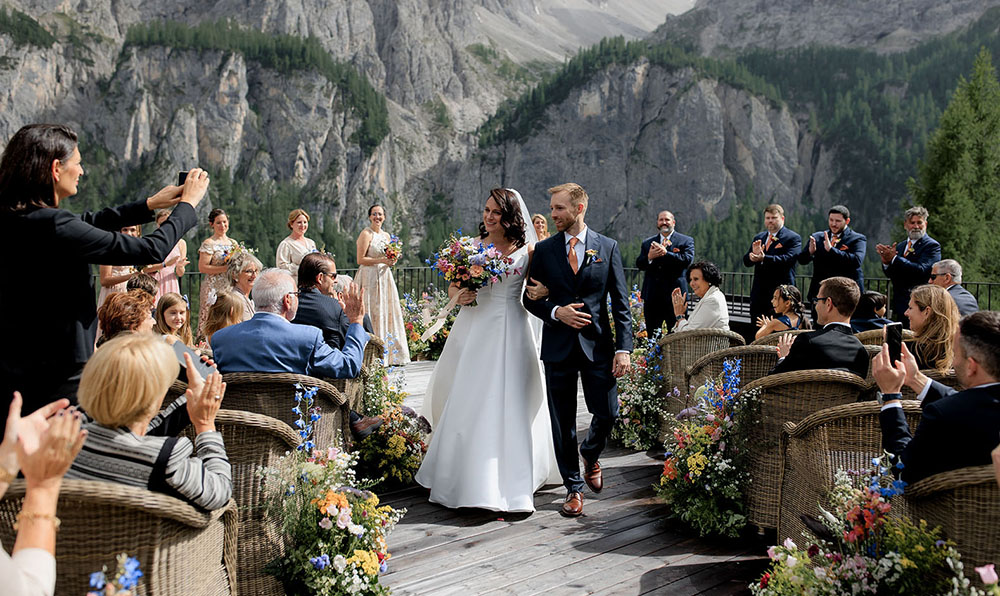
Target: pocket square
677, 249
778, 245
842, 247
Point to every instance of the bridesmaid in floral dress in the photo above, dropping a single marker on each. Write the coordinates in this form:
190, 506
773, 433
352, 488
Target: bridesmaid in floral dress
381, 296
213, 257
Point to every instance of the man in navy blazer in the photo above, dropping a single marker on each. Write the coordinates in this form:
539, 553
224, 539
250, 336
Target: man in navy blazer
318, 305
772, 255
909, 263
837, 252
269, 342
664, 257
957, 429
948, 275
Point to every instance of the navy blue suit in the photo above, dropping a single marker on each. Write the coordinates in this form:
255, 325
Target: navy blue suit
777, 268
843, 260
587, 353
964, 300
908, 272
322, 311
663, 274
269, 344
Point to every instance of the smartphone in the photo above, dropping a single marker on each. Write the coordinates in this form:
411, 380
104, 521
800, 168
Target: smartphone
894, 337
203, 369
181, 177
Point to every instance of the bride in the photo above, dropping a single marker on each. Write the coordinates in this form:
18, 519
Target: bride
492, 443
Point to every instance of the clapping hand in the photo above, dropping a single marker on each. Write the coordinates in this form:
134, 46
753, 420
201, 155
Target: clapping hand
812, 245
535, 290
656, 250
887, 253
679, 300
757, 251
785, 341
204, 397
827, 245
763, 321
354, 305
27, 431
56, 448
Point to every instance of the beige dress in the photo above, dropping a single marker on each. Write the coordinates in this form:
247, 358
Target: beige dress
212, 285
290, 253
382, 302
116, 270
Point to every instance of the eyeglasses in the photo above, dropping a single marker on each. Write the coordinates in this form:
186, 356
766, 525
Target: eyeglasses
252, 271
936, 275
821, 298
332, 275
293, 293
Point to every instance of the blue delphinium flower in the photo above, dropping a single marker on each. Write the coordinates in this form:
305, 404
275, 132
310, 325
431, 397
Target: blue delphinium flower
130, 574
97, 580
321, 562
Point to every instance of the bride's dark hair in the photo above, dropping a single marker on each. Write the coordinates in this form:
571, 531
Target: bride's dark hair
510, 217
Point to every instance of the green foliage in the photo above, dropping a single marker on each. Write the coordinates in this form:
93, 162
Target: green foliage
438, 223
23, 29
283, 53
485, 53
439, 111
258, 211
959, 180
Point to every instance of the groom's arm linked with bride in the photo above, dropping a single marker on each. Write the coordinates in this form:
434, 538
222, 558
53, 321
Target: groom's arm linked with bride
581, 270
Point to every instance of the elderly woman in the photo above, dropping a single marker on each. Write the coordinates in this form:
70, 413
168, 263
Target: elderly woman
934, 320
124, 312
295, 245
243, 271
131, 442
711, 310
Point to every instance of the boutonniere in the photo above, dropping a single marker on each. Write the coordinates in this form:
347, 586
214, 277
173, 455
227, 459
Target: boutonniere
669, 243
592, 256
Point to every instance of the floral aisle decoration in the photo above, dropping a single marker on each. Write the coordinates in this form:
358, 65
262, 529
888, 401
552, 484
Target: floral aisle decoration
705, 469
335, 529
124, 581
858, 548
640, 408
418, 315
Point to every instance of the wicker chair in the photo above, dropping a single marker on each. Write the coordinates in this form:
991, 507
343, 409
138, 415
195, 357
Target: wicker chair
876, 337
788, 397
839, 438
353, 389
756, 362
177, 389
771, 339
966, 504
182, 549
271, 394
681, 350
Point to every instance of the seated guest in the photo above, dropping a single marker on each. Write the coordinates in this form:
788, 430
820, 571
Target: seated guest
948, 275
173, 318
145, 282
279, 346
227, 310
833, 347
131, 442
711, 311
788, 312
934, 321
125, 311
957, 429
870, 313
243, 270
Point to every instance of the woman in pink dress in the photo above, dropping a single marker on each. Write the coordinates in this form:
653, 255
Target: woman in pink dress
114, 277
381, 296
168, 272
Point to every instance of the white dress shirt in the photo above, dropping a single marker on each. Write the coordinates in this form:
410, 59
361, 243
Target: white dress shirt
581, 250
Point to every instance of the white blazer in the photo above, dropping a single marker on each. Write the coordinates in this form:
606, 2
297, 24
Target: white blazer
710, 312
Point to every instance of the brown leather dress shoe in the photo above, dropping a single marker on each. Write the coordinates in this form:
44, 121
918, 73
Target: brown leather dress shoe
365, 426
573, 507
592, 475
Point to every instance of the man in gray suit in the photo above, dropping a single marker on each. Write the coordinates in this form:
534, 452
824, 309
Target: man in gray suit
948, 275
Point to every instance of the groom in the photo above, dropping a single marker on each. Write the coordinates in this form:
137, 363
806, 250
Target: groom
581, 269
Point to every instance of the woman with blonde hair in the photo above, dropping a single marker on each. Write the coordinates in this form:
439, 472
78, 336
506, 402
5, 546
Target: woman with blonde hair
173, 317
541, 226
227, 310
295, 245
934, 321
129, 441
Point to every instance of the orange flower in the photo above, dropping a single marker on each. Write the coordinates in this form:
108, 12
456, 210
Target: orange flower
669, 468
331, 499
476, 270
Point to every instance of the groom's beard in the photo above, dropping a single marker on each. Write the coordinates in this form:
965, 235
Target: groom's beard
666, 230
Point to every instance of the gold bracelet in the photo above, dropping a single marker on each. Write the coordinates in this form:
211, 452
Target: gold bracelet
30, 515
6, 476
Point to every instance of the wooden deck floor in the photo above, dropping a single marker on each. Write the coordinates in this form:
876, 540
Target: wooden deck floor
621, 546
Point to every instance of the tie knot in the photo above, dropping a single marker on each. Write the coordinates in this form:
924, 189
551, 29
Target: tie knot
573, 242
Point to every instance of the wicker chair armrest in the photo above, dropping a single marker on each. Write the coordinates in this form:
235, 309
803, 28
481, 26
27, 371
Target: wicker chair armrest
331, 392
728, 353
950, 480
270, 425
807, 376
683, 335
771, 339
825, 415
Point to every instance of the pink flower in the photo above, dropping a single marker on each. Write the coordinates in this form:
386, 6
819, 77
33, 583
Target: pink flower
344, 519
988, 574
325, 523
770, 553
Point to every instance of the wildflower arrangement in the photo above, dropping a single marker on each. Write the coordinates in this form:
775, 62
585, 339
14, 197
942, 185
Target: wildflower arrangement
417, 317
393, 248
705, 471
125, 580
463, 259
639, 406
635, 307
335, 529
227, 252
860, 549
392, 454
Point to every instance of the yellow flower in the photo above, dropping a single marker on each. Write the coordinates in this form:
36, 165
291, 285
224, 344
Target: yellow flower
397, 446
696, 463
367, 559
907, 563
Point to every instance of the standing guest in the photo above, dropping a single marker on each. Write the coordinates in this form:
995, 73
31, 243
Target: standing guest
169, 272
114, 277
711, 311
243, 270
42, 447
227, 310
838, 252
934, 319
173, 317
909, 263
833, 347
664, 257
541, 226
44, 355
213, 257
788, 312
948, 275
870, 313
126, 312
145, 282
381, 295
772, 255
295, 245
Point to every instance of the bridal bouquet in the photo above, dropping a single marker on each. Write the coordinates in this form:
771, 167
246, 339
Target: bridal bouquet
393, 248
227, 252
465, 260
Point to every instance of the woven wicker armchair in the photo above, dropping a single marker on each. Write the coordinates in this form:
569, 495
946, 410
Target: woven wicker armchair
182, 549
353, 389
966, 504
771, 339
788, 397
681, 350
271, 394
756, 362
876, 337
839, 438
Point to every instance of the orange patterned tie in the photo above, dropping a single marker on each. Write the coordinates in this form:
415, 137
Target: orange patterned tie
572, 255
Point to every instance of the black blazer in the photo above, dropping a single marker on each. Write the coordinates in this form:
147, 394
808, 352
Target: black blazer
957, 429
844, 260
964, 300
322, 311
909, 272
48, 287
667, 272
833, 347
599, 278
778, 266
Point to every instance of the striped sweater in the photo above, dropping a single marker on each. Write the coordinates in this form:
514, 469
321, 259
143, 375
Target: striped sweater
159, 461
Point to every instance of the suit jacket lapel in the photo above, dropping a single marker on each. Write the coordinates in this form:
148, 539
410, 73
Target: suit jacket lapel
562, 258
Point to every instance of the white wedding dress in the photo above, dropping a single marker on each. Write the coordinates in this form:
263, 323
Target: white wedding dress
492, 442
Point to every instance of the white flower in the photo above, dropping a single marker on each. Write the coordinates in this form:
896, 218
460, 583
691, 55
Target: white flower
791, 561
789, 544
820, 572
339, 563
